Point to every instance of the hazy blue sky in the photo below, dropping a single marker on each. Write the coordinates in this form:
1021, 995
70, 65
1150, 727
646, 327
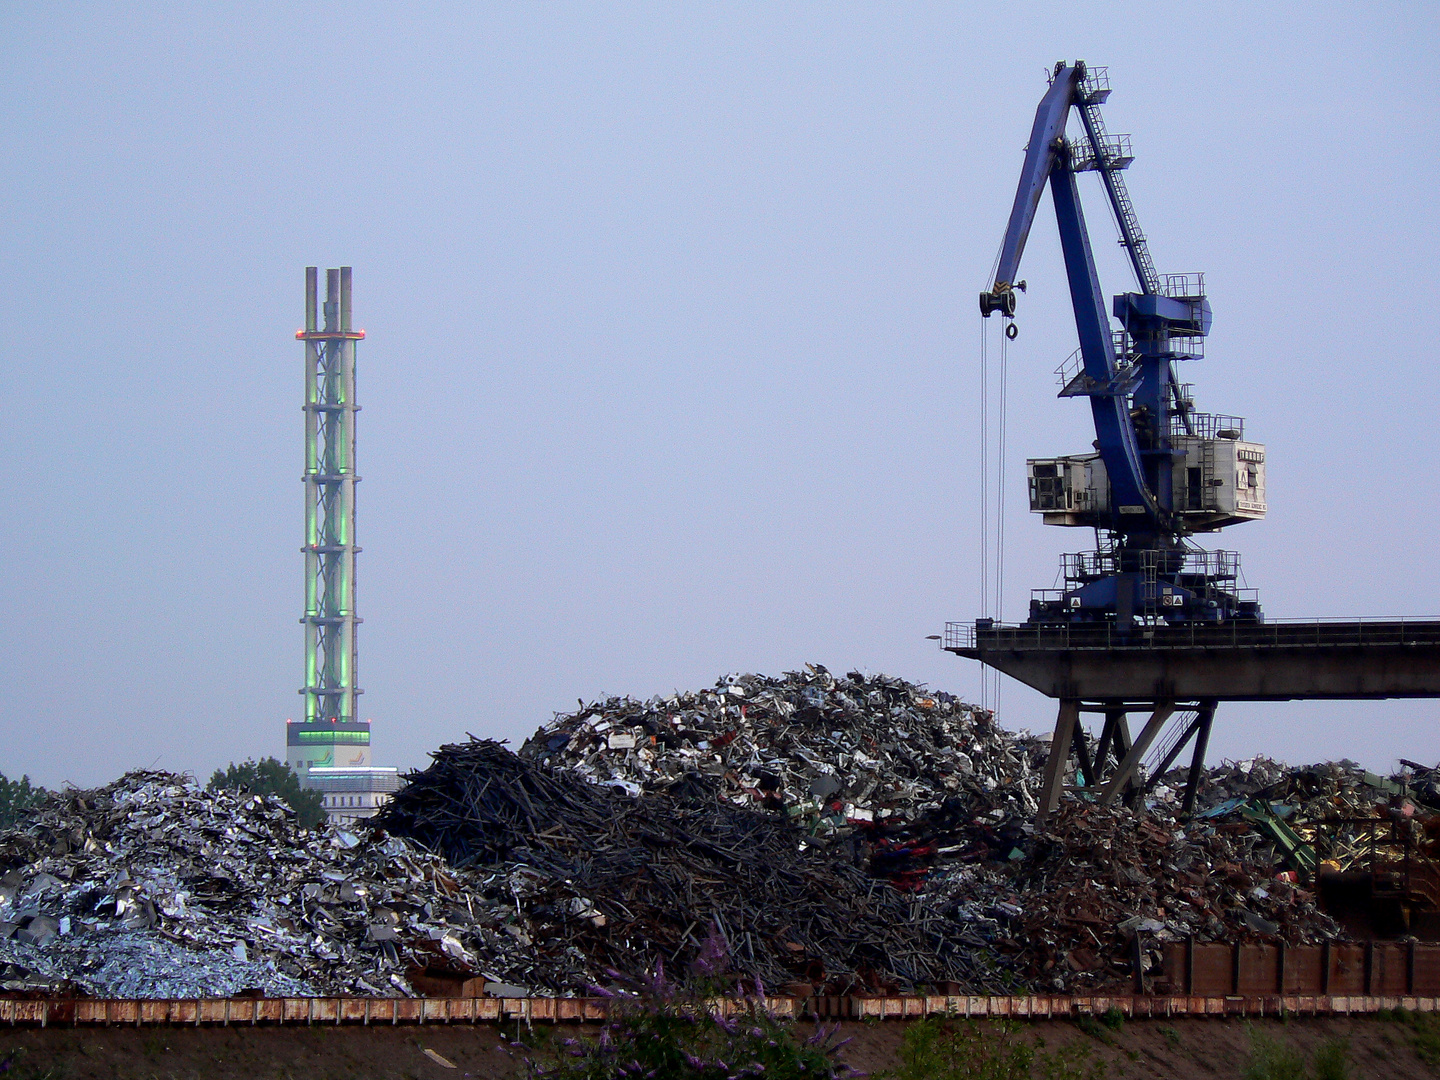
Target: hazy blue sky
673, 351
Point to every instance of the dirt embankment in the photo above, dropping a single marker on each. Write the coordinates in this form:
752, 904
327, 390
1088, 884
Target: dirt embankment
1180, 1049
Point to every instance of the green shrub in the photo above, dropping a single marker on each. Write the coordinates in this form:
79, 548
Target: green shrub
1332, 1060
271, 776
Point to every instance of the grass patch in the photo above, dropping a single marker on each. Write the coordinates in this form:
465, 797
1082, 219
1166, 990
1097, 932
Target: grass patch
16, 1066
937, 1049
1271, 1059
1424, 1030
663, 1034
1332, 1060
1097, 1028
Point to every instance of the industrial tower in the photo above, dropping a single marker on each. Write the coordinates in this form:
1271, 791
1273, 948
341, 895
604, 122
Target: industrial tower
331, 735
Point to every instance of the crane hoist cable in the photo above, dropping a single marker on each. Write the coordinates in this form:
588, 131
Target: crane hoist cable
1000, 480
994, 385
984, 516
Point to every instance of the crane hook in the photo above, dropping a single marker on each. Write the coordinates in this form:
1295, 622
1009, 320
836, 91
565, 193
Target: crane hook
1012, 331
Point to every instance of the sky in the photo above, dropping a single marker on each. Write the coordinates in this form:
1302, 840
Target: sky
672, 353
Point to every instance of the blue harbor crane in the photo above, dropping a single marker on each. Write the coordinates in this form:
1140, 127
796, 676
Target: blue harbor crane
1160, 471
1148, 622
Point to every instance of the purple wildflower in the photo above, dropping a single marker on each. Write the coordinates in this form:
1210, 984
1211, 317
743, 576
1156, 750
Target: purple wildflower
713, 959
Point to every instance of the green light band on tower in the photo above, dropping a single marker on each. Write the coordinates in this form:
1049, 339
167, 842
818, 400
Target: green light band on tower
336, 738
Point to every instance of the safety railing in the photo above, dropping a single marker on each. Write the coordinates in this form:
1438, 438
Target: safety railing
1182, 285
1115, 153
1095, 83
1209, 426
1323, 633
1074, 364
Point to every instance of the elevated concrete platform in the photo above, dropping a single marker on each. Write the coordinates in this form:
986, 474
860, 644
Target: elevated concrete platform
1187, 670
1279, 661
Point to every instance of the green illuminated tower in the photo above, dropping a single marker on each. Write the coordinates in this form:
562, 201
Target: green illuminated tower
331, 735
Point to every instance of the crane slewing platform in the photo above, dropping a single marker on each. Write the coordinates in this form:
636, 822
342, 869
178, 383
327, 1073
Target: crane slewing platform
1148, 622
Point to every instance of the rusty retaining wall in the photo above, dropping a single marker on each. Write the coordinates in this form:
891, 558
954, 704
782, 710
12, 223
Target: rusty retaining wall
215, 1012
1368, 969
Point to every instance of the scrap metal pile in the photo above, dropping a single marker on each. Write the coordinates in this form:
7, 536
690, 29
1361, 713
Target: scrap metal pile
1101, 884
606, 882
831, 753
935, 799
1332, 816
843, 833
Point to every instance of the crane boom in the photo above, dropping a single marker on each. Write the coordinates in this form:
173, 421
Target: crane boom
1049, 127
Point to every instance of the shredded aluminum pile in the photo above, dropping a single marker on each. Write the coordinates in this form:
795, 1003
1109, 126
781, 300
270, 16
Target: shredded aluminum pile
154, 887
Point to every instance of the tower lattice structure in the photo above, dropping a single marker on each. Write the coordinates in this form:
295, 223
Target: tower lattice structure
330, 621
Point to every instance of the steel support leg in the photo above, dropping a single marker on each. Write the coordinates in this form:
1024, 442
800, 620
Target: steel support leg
1107, 740
1170, 755
1082, 755
1120, 746
1197, 763
1133, 756
1054, 781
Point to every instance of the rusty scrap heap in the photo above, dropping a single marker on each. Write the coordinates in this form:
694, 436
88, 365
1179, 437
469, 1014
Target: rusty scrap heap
1101, 886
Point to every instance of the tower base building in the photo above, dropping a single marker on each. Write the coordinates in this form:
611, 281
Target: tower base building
354, 794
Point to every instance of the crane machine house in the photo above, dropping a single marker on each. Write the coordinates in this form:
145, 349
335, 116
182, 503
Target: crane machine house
1219, 480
